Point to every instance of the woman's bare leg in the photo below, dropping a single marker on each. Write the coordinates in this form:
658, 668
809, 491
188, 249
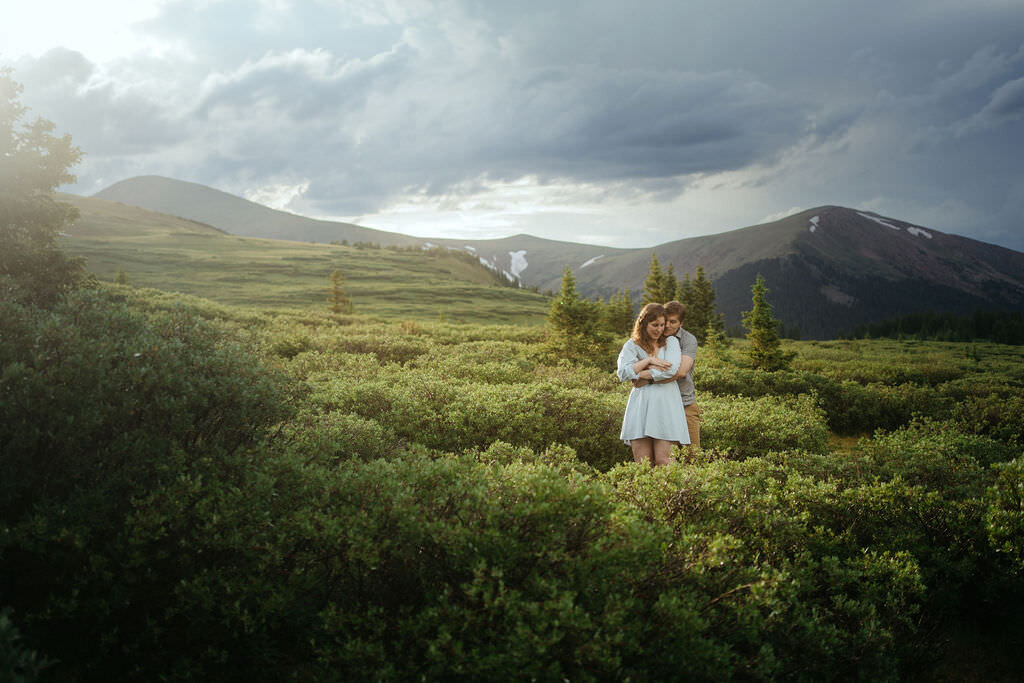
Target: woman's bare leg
662, 452
642, 451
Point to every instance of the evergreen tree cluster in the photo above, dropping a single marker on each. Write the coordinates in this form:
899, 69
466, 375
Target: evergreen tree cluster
697, 294
583, 330
575, 316
586, 329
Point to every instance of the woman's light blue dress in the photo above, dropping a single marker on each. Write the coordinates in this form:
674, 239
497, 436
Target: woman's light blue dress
654, 410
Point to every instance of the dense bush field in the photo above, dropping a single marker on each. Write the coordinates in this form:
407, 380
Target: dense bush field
196, 492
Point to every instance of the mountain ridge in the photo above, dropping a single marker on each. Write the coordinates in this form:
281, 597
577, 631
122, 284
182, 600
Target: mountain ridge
830, 268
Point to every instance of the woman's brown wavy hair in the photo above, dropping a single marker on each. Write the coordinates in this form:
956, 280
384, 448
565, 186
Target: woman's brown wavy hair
640, 336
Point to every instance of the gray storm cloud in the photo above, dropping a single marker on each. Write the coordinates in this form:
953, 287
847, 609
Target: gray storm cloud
912, 106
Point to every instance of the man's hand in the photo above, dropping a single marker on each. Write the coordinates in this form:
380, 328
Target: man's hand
637, 383
684, 367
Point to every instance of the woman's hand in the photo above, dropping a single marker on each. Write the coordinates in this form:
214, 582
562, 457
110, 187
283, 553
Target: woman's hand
640, 367
658, 363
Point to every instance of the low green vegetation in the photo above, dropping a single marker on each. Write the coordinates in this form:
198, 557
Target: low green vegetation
196, 491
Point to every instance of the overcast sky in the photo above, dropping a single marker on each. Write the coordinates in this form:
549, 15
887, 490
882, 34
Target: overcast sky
609, 122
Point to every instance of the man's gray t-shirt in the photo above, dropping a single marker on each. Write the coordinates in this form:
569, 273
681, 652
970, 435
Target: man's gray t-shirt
688, 344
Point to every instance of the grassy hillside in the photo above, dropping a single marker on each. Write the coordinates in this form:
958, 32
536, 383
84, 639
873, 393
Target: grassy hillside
240, 216
176, 254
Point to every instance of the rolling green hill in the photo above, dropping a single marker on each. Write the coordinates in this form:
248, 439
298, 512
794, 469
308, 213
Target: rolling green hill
176, 254
240, 216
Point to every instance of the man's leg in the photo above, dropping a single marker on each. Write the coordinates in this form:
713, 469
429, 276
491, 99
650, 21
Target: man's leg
693, 424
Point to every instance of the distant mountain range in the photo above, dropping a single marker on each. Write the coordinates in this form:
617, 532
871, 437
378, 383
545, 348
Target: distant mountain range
829, 269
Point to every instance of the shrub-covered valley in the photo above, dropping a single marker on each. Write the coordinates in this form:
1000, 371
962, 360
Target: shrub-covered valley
195, 491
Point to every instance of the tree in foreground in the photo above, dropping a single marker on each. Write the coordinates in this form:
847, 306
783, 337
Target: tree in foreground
33, 163
338, 300
574, 325
763, 332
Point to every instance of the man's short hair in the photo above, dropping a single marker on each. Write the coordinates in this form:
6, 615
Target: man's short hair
676, 310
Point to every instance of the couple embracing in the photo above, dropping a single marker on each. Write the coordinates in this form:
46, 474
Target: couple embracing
662, 410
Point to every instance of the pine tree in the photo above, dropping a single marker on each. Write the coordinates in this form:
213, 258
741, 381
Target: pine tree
570, 314
669, 284
684, 290
574, 324
699, 296
617, 315
122, 277
654, 285
763, 332
714, 338
700, 311
337, 300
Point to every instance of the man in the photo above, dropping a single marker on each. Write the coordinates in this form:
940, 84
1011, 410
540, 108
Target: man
675, 312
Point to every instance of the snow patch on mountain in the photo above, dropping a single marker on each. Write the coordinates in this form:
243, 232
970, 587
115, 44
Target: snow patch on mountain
879, 221
589, 261
518, 264
469, 248
837, 296
918, 232
814, 223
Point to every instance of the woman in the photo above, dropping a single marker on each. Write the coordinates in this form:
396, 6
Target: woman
654, 413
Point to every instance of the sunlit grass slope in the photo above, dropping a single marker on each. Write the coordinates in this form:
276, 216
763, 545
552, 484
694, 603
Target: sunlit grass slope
176, 254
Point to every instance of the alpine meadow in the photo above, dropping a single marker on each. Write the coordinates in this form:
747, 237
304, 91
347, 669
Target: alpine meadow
239, 459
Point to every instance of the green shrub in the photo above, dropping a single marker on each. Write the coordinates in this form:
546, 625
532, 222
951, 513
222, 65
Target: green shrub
95, 396
748, 427
335, 436
17, 663
317, 366
419, 567
490, 362
288, 346
851, 407
1005, 516
936, 455
431, 410
387, 348
788, 601
557, 456
1000, 417
100, 407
